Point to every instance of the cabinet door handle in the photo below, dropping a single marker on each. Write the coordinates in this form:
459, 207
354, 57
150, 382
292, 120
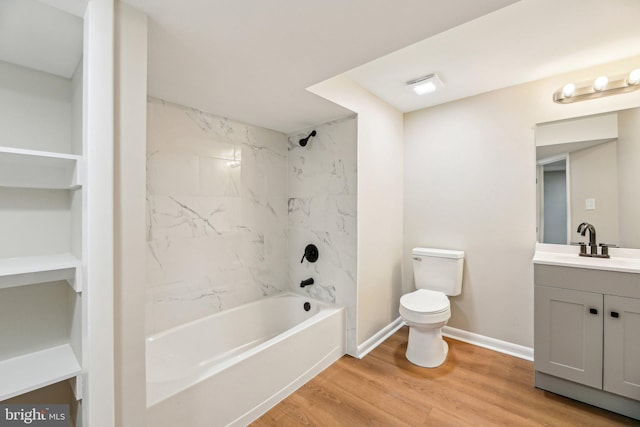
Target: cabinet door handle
615, 314
593, 310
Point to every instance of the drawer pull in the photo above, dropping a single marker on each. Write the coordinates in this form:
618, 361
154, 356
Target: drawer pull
615, 314
593, 310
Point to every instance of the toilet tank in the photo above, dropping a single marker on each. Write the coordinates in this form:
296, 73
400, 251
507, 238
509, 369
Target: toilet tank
438, 269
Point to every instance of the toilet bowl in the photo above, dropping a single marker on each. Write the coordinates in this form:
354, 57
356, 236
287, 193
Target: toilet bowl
425, 312
437, 274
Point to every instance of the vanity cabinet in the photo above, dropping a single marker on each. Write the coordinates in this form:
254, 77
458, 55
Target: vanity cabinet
586, 337
621, 369
568, 328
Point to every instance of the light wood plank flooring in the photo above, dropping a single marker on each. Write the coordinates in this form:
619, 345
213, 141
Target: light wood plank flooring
474, 387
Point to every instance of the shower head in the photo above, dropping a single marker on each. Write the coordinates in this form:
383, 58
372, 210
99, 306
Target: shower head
303, 141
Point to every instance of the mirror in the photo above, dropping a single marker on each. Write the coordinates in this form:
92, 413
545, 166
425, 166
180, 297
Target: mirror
588, 170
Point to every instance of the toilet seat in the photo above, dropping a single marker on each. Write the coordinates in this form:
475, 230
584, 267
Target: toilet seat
425, 306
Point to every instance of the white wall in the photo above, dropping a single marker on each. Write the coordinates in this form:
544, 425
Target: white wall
76, 110
379, 204
216, 234
469, 184
130, 218
594, 175
35, 109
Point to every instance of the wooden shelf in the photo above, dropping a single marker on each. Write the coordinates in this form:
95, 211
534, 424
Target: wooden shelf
21, 168
37, 369
41, 269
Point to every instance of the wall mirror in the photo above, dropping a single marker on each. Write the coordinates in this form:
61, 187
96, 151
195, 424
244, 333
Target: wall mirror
588, 170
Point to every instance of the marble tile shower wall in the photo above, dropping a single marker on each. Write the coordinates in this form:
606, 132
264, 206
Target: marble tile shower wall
216, 214
323, 210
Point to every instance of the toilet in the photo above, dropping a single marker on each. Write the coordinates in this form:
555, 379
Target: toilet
437, 274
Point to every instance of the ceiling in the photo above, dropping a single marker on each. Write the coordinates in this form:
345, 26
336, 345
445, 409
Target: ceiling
527, 41
252, 60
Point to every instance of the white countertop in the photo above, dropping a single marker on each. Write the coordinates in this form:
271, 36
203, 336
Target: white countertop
623, 260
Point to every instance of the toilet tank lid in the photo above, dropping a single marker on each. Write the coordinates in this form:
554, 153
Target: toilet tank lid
440, 253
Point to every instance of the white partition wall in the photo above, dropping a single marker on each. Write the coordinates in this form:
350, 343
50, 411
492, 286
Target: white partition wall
379, 212
98, 406
130, 218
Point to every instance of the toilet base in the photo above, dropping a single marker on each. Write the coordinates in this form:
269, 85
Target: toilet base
426, 348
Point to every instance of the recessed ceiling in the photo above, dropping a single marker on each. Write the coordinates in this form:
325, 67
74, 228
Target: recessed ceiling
252, 60
526, 41
41, 37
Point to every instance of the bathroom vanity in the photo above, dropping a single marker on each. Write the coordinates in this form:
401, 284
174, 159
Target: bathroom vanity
587, 326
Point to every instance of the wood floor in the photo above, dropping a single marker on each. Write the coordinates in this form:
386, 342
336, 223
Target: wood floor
474, 387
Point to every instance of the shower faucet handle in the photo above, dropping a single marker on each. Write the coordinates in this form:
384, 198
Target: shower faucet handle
310, 253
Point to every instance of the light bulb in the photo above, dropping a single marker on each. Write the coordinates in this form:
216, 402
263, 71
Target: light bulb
600, 83
568, 90
634, 77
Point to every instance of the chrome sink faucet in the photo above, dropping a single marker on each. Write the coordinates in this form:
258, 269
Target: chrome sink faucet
582, 229
593, 245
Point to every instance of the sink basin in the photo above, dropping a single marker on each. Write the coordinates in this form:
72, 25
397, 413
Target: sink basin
615, 263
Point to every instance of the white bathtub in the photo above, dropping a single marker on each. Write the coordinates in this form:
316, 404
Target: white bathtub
231, 367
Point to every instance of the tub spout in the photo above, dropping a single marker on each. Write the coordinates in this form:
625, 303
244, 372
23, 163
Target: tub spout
306, 282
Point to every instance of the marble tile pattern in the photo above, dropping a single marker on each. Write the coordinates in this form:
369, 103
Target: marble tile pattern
216, 214
322, 210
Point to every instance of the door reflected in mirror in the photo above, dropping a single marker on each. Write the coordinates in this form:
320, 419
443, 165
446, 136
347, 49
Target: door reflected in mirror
588, 170
553, 227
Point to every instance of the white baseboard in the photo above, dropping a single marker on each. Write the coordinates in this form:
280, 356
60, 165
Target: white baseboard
377, 338
494, 344
491, 343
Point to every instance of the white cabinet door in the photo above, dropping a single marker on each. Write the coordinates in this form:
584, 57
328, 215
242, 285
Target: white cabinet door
568, 334
622, 346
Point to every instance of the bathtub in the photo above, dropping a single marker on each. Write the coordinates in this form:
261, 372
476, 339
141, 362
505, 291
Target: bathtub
231, 367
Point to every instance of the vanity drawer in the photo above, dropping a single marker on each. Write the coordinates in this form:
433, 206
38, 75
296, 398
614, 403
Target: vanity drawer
588, 280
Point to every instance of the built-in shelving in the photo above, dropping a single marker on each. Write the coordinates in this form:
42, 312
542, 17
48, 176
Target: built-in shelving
45, 107
40, 269
37, 369
22, 168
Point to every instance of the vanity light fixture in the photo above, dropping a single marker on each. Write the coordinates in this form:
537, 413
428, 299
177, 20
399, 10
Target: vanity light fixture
601, 86
426, 84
